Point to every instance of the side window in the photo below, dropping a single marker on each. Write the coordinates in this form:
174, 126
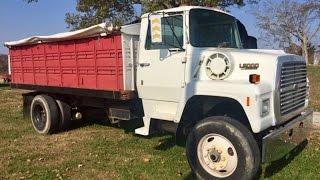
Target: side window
243, 34
172, 34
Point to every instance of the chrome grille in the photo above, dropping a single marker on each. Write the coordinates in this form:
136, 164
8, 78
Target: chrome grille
293, 86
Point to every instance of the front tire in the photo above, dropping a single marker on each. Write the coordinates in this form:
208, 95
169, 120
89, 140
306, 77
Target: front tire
222, 148
44, 114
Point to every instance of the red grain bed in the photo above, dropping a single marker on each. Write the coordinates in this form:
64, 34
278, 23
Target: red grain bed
90, 63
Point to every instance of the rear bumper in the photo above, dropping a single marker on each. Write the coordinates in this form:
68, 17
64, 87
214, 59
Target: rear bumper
284, 139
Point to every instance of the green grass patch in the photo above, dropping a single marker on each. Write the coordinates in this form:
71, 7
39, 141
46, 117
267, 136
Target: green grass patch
99, 151
4, 86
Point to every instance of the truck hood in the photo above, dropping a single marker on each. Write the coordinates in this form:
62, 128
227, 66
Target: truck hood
249, 51
243, 63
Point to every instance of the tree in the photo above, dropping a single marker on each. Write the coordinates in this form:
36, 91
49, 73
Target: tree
91, 12
290, 21
153, 5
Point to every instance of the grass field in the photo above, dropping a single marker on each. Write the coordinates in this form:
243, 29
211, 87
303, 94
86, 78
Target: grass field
101, 151
314, 77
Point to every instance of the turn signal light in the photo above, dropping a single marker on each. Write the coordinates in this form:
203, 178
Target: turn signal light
254, 78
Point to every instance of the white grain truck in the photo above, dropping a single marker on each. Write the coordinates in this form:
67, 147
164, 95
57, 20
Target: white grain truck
190, 70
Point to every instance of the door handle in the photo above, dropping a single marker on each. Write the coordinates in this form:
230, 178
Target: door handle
144, 64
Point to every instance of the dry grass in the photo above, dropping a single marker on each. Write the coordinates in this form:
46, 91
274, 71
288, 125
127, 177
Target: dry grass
314, 77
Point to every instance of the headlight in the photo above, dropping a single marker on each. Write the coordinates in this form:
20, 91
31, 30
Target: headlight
265, 107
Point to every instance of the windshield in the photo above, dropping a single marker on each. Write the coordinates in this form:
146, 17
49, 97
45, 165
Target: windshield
213, 29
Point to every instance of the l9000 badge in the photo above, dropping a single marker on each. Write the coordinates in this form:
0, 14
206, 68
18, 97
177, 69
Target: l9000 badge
249, 66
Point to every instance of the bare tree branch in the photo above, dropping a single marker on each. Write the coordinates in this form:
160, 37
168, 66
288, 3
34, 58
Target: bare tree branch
290, 22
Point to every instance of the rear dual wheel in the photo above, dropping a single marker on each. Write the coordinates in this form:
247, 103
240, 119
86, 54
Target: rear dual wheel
65, 115
48, 115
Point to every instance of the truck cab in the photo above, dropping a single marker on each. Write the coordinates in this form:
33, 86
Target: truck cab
207, 52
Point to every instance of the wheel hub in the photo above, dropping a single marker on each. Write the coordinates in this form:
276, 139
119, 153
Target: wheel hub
217, 155
218, 159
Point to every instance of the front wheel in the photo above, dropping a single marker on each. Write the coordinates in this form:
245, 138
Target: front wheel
222, 148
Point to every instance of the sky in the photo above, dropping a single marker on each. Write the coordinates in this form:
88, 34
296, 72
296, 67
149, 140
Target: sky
19, 20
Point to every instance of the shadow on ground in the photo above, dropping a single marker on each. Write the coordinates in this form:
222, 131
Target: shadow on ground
93, 116
276, 166
98, 116
4, 85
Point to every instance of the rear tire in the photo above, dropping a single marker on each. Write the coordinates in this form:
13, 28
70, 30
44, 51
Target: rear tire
44, 114
65, 115
222, 148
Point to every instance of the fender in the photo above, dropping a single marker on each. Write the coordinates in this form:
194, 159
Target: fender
248, 95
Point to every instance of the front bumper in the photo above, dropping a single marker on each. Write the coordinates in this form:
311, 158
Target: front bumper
279, 142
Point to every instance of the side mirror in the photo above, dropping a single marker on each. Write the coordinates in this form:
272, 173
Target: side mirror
252, 42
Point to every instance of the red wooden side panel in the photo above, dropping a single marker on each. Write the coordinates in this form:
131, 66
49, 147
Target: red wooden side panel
92, 63
16, 65
39, 64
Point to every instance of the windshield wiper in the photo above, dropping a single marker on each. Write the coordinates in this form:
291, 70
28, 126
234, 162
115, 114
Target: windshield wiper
223, 45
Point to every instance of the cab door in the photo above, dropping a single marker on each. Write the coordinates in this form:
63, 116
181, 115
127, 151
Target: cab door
161, 70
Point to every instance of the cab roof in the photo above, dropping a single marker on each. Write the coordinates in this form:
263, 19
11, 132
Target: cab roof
187, 8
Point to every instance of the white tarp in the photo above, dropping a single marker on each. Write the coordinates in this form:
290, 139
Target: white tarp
100, 29
131, 29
